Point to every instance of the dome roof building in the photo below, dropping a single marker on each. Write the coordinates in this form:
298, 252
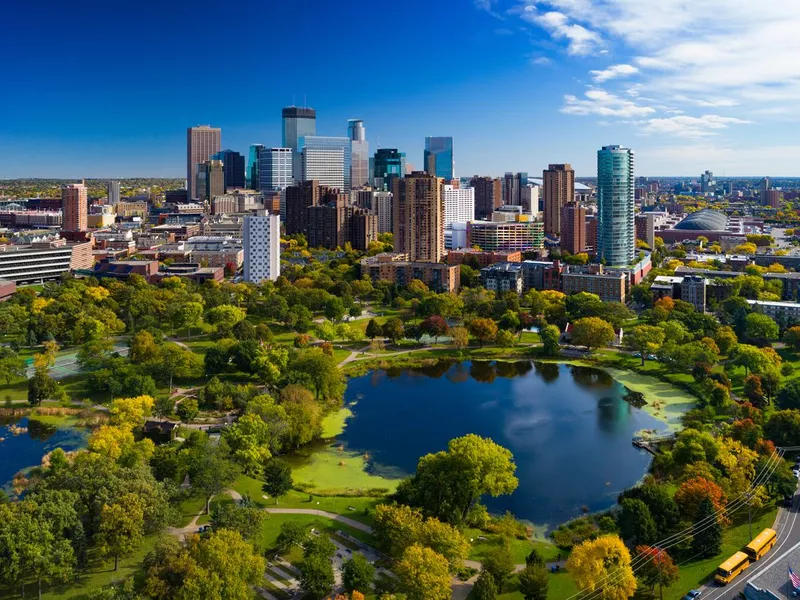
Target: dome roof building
707, 219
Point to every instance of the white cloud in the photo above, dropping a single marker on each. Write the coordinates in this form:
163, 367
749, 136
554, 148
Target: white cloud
580, 40
604, 104
541, 60
614, 72
689, 127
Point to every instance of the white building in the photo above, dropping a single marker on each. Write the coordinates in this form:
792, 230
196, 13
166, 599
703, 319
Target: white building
275, 169
325, 165
459, 205
455, 237
262, 247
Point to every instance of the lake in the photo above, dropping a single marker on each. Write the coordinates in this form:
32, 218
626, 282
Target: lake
569, 428
18, 452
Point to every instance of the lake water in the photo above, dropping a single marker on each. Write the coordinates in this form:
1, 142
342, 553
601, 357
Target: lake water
18, 452
569, 428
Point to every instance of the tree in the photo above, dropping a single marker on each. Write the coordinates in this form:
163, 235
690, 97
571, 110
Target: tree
373, 329
789, 395
484, 588
175, 361
187, 410
707, 531
358, 574
533, 582
393, 330
550, 337
225, 316
460, 337
292, 533
278, 478
656, 568
760, 327
483, 329
129, 413
783, 427
499, 563
505, 338
792, 338
434, 326
11, 365
334, 309
316, 575
754, 391
247, 520
603, 565
645, 339
592, 332
635, 522
142, 348
693, 492
423, 574
41, 386
726, 340
189, 315
121, 527
321, 371
210, 471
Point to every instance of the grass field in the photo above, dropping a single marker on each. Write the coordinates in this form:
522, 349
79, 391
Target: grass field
519, 548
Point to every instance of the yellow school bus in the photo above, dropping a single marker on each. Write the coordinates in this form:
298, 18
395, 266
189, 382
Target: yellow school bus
730, 569
761, 544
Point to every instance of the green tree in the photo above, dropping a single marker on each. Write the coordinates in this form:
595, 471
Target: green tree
358, 574
142, 348
11, 365
635, 522
505, 339
393, 330
175, 361
373, 329
783, 427
210, 471
187, 409
278, 478
41, 386
460, 337
707, 531
644, 339
788, 395
423, 574
121, 527
321, 372
551, 334
292, 533
483, 329
761, 327
533, 582
225, 316
499, 563
247, 520
316, 575
189, 315
484, 588
592, 332
334, 309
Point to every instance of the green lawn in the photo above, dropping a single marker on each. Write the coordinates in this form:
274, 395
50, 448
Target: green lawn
188, 509
272, 527
519, 548
561, 586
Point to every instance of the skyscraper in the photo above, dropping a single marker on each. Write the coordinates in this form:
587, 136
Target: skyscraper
297, 123
438, 157
74, 207
201, 142
212, 179
325, 142
359, 153
488, 196
387, 164
616, 234
459, 205
707, 183
418, 217
573, 228
112, 192
233, 165
326, 165
300, 196
261, 240
275, 169
513, 185
252, 179
559, 190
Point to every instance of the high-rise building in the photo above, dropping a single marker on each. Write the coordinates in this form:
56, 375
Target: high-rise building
233, 166
514, 185
359, 153
616, 237
300, 196
274, 169
297, 123
323, 142
252, 179
573, 228
438, 157
387, 164
418, 216
332, 223
707, 183
74, 207
261, 241
112, 192
325, 165
212, 176
559, 189
488, 196
459, 204
202, 142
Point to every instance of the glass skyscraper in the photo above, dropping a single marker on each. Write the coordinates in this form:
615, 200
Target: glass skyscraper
251, 174
233, 165
275, 169
616, 235
297, 122
438, 158
359, 153
387, 164
323, 142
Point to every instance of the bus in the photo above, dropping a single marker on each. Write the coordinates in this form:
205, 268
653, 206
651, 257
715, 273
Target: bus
761, 544
730, 569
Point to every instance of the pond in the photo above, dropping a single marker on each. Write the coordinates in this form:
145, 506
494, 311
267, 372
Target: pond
32, 441
569, 428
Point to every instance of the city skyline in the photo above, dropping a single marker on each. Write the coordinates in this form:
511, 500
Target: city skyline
584, 75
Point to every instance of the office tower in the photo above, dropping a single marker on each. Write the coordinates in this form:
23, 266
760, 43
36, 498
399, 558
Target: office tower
488, 196
359, 153
707, 183
300, 196
438, 157
513, 185
297, 123
573, 228
252, 179
112, 192
387, 164
559, 189
274, 169
382, 207
772, 198
616, 239
233, 166
333, 223
323, 142
325, 165
418, 215
764, 187
74, 207
212, 177
529, 199
201, 143
261, 240
459, 205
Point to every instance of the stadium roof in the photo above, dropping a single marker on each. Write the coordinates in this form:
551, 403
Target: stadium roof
707, 219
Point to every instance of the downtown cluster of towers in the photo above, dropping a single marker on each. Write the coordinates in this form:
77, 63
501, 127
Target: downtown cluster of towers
344, 164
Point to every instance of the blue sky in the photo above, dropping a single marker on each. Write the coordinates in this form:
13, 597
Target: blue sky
107, 89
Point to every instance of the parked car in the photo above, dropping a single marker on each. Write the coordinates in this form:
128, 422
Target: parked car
692, 595
787, 501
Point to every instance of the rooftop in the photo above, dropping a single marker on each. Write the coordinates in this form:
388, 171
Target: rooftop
707, 219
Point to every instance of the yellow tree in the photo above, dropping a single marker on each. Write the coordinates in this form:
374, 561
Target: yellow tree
131, 412
739, 464
603, 565
111, 441
424, 574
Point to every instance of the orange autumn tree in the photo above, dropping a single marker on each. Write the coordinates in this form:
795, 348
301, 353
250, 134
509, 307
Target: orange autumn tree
656, 567
693, 491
